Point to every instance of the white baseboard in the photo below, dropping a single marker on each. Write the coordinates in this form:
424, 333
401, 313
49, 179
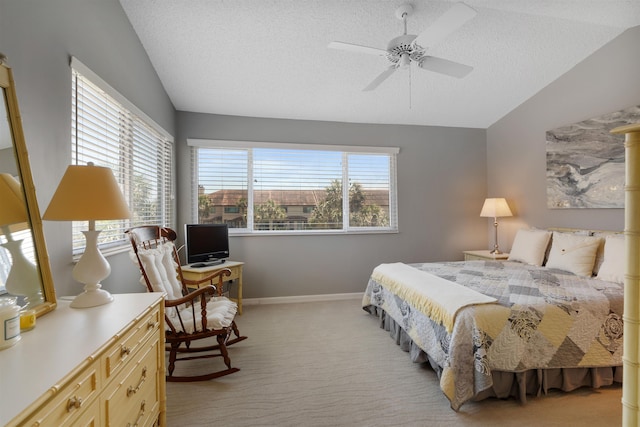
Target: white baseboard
301, 298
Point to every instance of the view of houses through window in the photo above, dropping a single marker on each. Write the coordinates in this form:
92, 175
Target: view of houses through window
262, 189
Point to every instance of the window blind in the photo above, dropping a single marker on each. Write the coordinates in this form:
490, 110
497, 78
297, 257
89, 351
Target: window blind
106, 133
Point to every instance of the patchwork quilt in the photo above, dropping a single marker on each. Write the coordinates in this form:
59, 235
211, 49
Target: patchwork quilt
543, 318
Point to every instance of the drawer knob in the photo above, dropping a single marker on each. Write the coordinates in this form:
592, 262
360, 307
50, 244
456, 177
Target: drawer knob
152, 324
124, 351
133, 390
140, 415
74, 403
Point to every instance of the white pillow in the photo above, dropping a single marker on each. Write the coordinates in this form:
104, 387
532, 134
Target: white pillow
613, 268
573, 253
600, 253
529, 246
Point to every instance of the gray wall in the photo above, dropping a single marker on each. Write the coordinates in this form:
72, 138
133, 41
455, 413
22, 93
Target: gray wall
441, 186
441, 170
606, 81
38, 38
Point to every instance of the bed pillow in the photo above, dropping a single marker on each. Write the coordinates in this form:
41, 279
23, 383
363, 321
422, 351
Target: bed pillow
600, 253
573, 253
613, 268
529, 246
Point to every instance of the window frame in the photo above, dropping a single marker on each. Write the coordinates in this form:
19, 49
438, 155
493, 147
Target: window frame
165, 163
195, 144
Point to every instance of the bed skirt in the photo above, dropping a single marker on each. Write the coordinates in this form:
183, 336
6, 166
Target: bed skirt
510, 384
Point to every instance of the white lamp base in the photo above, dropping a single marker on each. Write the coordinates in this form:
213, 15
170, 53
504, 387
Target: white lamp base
91, 298
91, 268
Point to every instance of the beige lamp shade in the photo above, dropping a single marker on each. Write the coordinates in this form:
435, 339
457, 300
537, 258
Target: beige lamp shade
495, 208
87, 193
13, 209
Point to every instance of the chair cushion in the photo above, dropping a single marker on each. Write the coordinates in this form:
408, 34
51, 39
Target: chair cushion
160, 267
220, 313
171, 268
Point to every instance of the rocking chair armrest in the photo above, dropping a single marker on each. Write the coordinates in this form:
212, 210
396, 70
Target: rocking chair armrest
190, 297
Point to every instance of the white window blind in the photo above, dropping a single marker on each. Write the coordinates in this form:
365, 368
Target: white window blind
108, 134
263, 188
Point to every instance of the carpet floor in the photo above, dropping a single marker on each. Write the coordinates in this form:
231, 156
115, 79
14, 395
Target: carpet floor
329, 364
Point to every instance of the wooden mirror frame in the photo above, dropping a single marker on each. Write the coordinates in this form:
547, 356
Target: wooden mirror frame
22, 163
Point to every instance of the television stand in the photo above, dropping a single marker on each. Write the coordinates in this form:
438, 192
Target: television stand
196, 273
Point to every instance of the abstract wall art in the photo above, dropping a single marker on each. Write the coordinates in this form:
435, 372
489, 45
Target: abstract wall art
585, 162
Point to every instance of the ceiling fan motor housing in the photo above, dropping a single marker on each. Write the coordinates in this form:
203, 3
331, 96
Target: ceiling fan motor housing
402, 45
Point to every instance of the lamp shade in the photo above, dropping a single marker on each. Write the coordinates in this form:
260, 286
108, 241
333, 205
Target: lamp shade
13, 209
87, 193
495, 208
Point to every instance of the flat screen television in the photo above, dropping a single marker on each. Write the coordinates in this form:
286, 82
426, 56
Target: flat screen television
206, 243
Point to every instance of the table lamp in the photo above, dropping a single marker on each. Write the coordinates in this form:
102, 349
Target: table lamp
23, 278
89, 193
495, 208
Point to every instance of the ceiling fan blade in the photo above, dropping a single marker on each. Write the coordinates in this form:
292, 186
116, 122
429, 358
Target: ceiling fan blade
357, 48
444, 66
382, 77
450, 21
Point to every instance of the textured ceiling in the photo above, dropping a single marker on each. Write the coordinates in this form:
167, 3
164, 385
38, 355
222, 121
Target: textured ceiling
269, 58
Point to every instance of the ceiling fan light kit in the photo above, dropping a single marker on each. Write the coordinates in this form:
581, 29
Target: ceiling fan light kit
407, 48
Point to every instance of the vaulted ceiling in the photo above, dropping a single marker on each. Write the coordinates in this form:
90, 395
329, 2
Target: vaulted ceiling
269, 58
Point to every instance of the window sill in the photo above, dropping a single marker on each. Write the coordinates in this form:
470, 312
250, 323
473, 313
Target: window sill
310, 233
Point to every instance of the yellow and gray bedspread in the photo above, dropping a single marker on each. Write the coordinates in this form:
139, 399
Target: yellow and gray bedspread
541, 318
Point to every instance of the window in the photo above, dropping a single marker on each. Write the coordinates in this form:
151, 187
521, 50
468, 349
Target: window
113, 133
264, 187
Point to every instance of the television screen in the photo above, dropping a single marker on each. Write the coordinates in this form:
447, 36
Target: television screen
206, 242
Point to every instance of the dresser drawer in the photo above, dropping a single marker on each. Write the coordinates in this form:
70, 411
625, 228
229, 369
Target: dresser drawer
127, 346
132, 397
63, 410
90, 417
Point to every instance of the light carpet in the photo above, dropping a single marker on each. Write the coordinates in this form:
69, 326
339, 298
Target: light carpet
329, 364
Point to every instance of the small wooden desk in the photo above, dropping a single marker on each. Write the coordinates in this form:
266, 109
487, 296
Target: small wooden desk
192, 273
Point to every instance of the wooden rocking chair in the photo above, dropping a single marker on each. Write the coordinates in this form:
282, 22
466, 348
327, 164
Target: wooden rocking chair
189, 316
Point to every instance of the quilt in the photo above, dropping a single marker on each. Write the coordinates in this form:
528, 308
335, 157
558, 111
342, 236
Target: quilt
543, 318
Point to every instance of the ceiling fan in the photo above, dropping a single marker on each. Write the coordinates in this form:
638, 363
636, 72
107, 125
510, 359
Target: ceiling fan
407, 48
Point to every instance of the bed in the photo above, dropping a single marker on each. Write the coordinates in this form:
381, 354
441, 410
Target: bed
548, 317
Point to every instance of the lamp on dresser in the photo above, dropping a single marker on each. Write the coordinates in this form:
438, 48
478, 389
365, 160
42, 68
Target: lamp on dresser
89, 193
23, 278
495, 208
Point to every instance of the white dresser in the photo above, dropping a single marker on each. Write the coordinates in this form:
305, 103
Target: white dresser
99, 366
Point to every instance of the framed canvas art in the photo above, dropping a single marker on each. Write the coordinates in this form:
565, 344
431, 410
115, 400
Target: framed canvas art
585, 162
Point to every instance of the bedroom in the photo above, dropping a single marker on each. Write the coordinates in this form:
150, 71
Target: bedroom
38, 38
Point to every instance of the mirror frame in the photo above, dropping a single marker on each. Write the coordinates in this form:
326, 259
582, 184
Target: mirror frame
22, 159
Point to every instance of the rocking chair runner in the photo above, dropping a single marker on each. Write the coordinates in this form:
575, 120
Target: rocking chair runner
189, 316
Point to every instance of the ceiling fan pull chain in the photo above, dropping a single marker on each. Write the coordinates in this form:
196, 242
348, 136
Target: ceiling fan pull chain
410, 88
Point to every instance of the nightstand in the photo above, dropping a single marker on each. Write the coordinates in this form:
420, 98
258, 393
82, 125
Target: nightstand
485, 255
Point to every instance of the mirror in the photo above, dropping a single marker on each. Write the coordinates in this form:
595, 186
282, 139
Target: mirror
24, 263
